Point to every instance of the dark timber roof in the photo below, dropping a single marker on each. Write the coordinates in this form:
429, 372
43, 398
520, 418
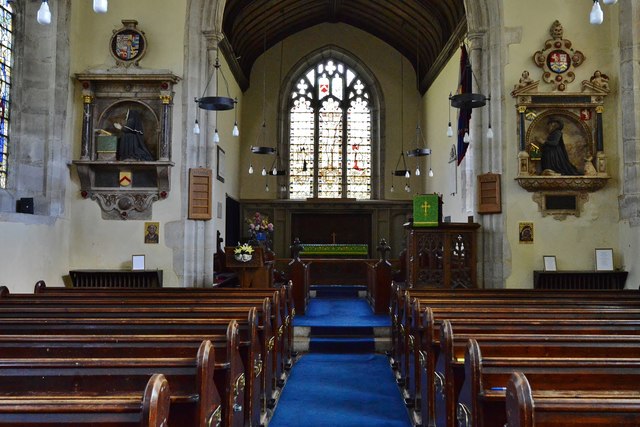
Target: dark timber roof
438, 26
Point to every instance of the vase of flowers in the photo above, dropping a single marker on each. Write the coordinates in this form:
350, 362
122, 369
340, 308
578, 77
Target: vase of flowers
260, 230
243, 253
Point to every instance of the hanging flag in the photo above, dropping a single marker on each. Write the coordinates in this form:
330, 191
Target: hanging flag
464, 116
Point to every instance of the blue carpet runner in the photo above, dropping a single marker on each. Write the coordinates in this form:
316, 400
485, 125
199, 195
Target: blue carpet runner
341, 325
341, 390
341, 382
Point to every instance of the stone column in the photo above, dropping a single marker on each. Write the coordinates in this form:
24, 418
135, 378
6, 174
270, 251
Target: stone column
630, 111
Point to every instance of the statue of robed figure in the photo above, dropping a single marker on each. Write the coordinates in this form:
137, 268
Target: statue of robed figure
554, 158
131, 145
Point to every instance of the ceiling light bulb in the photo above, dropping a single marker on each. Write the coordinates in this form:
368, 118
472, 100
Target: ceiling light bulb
44, 14
264, 172
216, 136
250, 169
609, 1
196, 128
407, 174
466, 138
100, 6
235, 131
407, 188
431, 172
596, 16
274, 172
489, 133
266, 188
449, 130
392, 189
417, 170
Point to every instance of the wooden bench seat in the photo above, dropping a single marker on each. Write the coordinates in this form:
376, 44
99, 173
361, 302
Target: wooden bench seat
529, 407
268, 354
406, 306
148, 408
449, 370
489, 366
271, 334
90, 367
247, 346
418, 324
282, 302
426, 342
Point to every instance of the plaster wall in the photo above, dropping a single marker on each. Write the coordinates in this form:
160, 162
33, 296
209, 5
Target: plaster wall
446, 176
572, 239
384, 63
98, 243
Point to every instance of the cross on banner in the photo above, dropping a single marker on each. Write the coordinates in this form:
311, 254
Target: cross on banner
425, 206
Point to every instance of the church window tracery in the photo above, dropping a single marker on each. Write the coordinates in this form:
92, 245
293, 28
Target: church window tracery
330, 137
6, 61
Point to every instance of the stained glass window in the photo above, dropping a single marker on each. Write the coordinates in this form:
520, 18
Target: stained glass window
330, 134
6, 60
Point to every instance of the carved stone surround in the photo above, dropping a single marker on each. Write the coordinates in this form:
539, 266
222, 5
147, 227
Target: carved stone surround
126, 189
581, 114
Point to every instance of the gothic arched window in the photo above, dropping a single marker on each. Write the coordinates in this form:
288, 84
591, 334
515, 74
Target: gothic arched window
6, 61
330, 133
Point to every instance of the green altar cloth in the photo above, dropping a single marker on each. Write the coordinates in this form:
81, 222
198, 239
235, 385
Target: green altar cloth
337, 249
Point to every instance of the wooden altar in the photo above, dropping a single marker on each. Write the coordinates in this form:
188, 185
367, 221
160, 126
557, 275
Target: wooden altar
443, 256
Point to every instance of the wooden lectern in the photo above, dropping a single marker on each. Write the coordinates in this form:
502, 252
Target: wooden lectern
255, 273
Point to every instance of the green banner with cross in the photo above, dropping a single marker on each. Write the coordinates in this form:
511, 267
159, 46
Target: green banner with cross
426, 210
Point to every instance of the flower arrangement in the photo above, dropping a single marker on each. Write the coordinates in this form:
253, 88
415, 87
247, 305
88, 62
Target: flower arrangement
259, 226
243, 252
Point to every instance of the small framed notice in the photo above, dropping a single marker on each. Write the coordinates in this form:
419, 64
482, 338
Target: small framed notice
604, 259
549, 262
137, 262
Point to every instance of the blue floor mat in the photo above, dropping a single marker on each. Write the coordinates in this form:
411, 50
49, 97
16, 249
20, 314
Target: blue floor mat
340, 312
346, 390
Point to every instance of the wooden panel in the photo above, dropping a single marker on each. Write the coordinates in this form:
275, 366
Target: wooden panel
489, 193
442, 257
579, 279
116, 278
200, 193
332, 228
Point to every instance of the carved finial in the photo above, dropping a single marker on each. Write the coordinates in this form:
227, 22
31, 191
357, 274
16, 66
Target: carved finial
383, 249
296, 248
556, 31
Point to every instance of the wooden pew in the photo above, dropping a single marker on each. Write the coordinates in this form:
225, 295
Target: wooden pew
400, 306
284, 301
149, 408
40, 366
529, 407
411, 328
488, 367
379, 286
245, 347
427, 345
540, 341
182, 305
